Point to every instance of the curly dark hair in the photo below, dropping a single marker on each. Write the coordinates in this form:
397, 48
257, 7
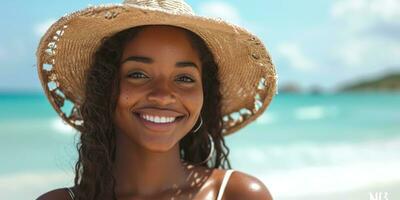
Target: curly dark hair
96, 148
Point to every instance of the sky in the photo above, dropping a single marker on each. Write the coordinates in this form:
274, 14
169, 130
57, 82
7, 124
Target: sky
323, 44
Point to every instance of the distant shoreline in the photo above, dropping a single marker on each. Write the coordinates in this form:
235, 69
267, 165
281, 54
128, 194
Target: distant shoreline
390, 82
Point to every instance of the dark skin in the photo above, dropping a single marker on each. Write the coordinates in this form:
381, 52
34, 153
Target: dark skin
160, 75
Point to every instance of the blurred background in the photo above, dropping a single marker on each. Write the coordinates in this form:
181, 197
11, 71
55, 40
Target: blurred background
332, 131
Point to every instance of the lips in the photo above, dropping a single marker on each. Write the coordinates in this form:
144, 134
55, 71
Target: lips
158, 127
159, 112
137, 114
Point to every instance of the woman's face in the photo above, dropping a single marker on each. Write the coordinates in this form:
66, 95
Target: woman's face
160, 80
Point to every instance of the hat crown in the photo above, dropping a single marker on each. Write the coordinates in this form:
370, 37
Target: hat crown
174, 6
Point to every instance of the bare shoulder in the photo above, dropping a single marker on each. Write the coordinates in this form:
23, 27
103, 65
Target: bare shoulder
245, 186
57, 194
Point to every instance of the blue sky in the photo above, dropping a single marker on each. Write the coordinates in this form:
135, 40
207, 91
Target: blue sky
312, 43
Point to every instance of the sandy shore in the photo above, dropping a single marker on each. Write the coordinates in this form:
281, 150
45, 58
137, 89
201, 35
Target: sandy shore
393, 191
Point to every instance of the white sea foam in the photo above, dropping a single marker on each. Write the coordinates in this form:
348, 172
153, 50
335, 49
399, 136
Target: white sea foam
289, 170
315, 112
52, 124
30, 185
266, 118
309, 169
62, 127
330, 179
21, 124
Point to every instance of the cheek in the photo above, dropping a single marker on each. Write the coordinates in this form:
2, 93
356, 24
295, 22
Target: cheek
124, 103
194, 100
125, 95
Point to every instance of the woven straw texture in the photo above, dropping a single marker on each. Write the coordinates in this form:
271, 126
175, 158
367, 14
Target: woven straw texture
247, 74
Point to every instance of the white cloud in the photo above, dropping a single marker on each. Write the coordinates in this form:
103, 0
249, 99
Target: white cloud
359, 39
369, 32
367, 11
15, 50
42, 27
353, 52
369, 53
295, 56
219, 9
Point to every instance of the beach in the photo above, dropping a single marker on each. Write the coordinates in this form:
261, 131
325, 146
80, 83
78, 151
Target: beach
337, 146
368, 193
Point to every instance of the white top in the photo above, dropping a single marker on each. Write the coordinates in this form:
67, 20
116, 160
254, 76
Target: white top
220, 193
71, 193
224, 183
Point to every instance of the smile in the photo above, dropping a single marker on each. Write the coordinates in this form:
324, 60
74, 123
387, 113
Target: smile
158, 123
157, 119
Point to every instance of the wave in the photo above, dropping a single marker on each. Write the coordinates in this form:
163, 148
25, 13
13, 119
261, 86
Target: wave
311, 168
33, 184
62, 127
330, 179
315, 112
55, 124
266, 118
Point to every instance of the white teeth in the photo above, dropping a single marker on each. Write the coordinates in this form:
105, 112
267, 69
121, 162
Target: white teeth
157, 119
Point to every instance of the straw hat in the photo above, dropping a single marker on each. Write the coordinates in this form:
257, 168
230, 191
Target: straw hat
246, 72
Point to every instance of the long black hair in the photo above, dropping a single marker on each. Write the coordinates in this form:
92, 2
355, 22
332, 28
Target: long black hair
93, 171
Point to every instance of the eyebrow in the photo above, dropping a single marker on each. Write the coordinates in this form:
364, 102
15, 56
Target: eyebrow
148, 60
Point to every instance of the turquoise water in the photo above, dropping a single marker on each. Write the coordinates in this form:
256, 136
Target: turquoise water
298, 140
328, 118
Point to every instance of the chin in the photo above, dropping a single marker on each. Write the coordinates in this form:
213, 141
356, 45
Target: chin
158, 144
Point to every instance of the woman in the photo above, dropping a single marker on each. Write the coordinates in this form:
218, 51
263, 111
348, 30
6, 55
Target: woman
147, 100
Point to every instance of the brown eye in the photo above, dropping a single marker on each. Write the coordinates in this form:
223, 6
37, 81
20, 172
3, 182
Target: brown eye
137, 75
186, 79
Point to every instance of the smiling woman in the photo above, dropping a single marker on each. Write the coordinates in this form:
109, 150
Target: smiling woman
155, 101
160, 93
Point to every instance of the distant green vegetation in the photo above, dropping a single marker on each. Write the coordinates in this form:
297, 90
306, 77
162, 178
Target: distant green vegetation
389, 82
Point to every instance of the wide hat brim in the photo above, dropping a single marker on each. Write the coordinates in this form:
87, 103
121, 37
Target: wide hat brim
247, 75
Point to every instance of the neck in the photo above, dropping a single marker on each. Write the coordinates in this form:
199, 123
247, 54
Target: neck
141, 172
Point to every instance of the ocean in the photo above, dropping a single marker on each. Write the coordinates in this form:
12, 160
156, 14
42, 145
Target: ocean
305, 146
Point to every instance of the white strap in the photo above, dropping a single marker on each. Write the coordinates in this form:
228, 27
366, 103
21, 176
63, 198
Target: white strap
224, 183
71, 193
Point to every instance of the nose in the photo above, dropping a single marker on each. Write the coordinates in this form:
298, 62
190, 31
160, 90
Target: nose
161, 94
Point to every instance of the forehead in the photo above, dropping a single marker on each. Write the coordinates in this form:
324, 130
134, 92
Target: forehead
161, 40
